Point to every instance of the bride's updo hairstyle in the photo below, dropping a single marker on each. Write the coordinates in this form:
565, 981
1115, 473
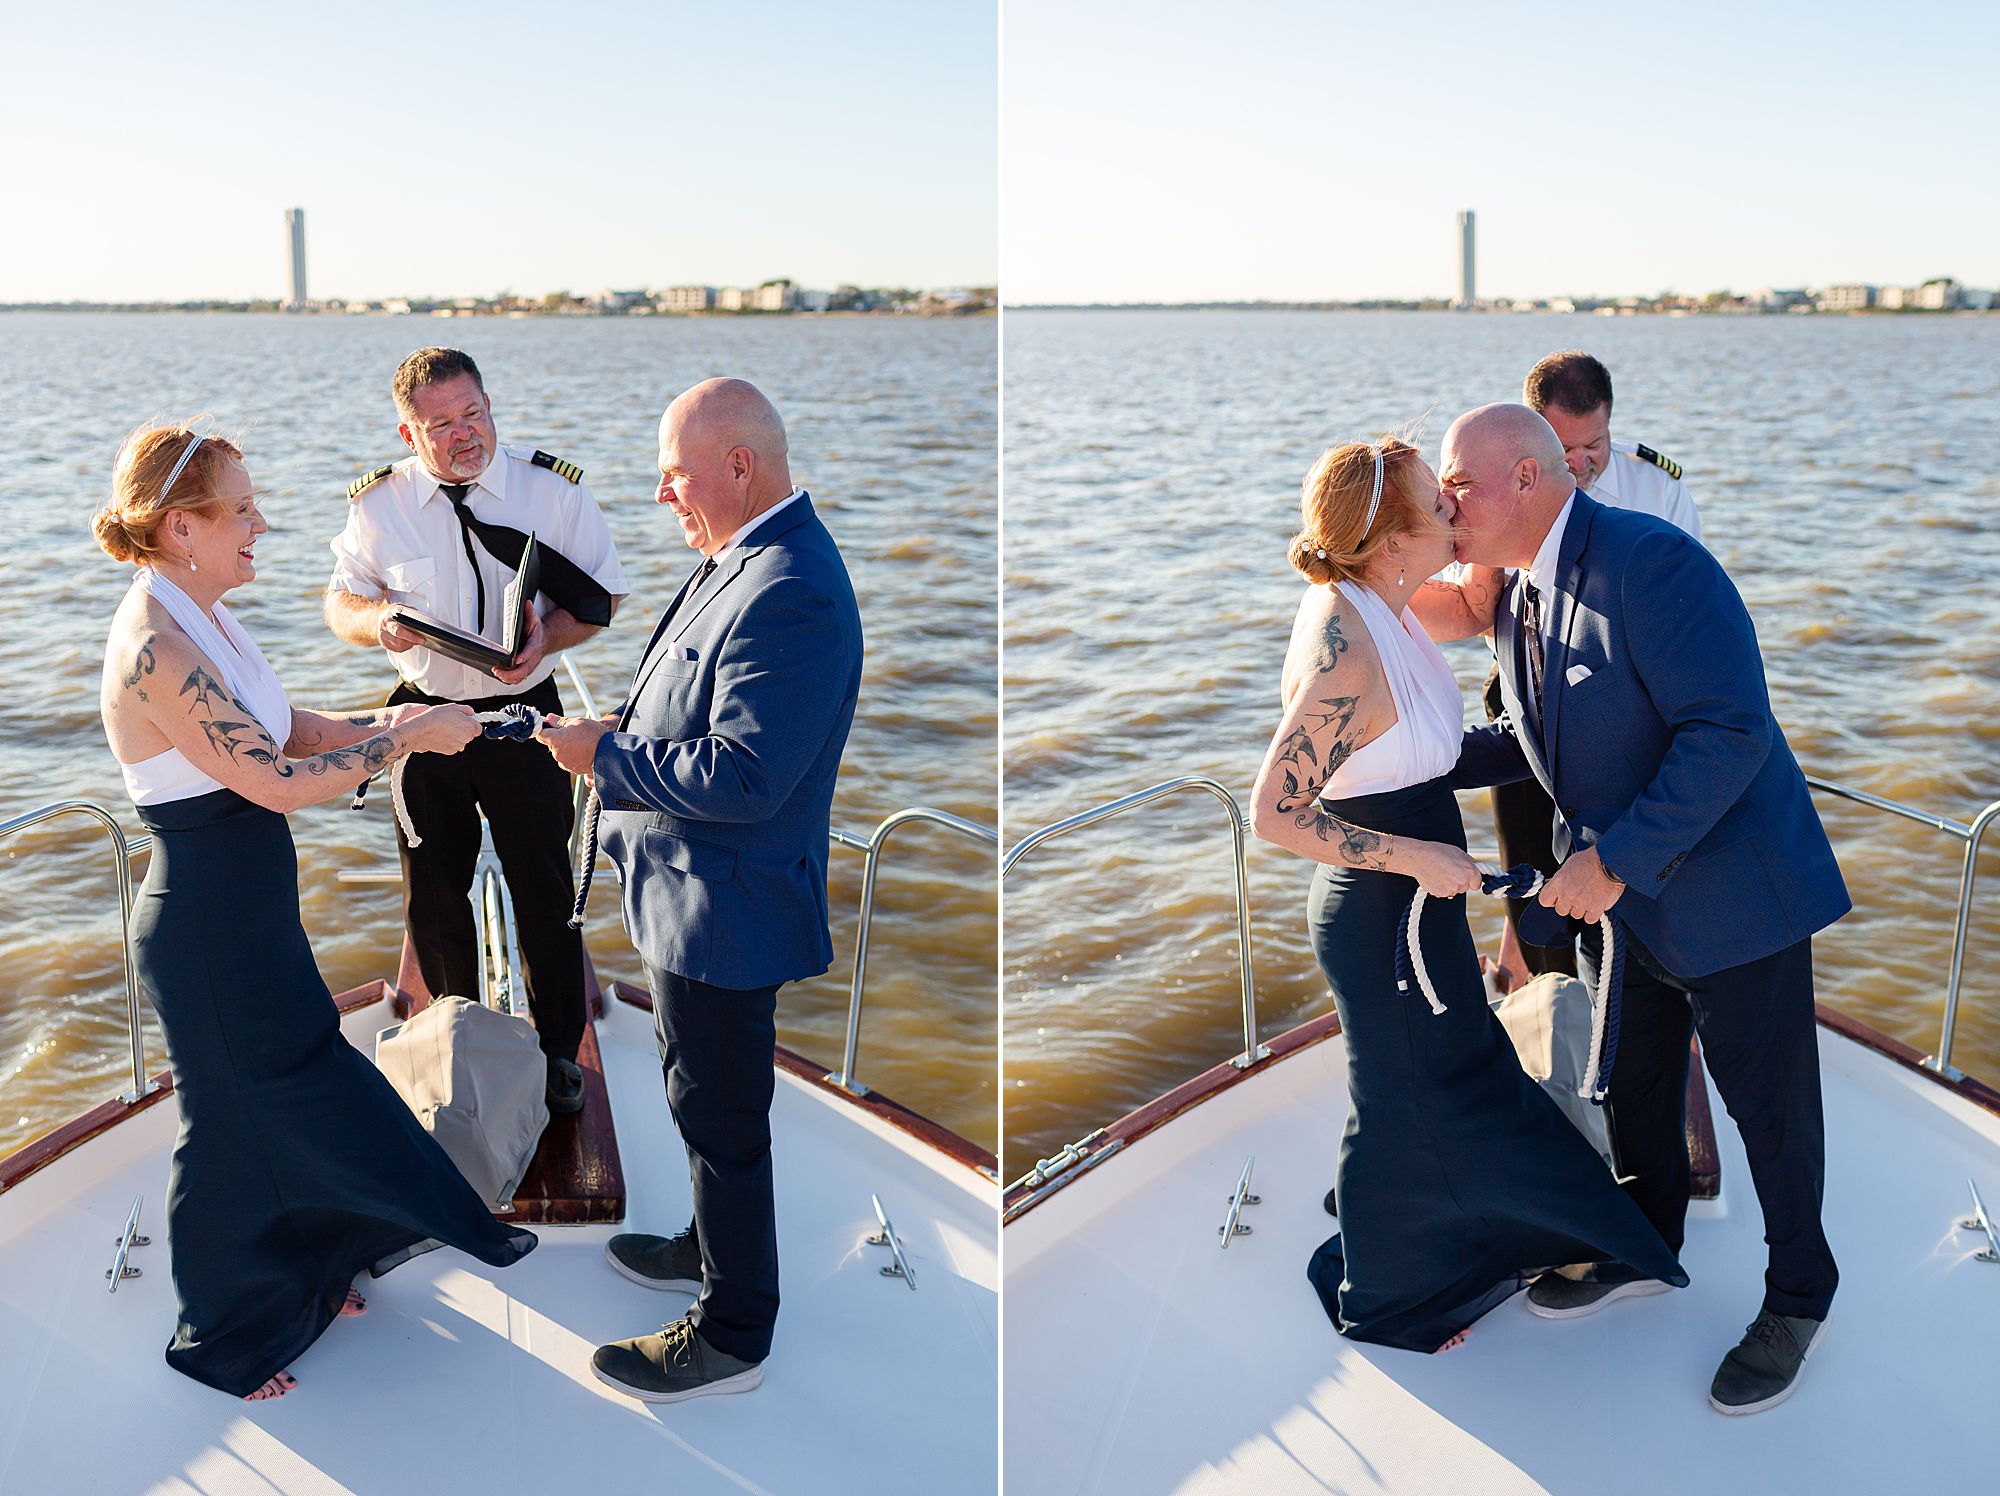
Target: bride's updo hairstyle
145, 489
1337, 540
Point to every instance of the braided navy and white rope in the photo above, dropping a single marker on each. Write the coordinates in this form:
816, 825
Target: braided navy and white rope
1525, 882
515, 722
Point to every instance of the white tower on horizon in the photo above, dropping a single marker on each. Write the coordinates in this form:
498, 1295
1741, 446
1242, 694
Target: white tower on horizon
295, 228
1467, 292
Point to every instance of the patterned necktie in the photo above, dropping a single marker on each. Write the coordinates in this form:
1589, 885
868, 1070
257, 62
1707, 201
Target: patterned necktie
1531, 620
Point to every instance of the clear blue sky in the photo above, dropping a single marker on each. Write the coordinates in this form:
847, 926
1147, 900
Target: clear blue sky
151, 150
1182, 151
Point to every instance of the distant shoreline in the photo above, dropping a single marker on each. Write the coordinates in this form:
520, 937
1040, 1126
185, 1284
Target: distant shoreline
165, 309
1605, 310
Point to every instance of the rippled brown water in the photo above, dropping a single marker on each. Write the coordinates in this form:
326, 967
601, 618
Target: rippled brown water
1152, 469
893, 429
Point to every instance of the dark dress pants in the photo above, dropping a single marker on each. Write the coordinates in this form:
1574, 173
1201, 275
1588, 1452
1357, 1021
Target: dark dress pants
715, 1049
1759, 1039
526, 797
1524, 819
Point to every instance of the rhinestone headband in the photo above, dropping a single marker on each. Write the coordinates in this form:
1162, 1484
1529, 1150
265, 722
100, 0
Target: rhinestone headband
186, 453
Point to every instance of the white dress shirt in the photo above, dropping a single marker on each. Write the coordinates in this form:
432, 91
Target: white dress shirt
403, 542
736, 540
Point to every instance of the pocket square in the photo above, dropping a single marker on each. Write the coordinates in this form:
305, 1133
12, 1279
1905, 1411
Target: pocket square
680, 652
1577, 674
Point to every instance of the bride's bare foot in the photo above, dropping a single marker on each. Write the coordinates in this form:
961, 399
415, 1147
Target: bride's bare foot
278, 1386
1451, 1344
355, 1304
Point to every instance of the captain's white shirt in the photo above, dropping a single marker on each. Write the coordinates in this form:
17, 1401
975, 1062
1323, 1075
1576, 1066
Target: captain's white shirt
1629, 481
403, 543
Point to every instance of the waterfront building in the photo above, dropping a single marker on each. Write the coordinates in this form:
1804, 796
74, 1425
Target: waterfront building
1893, 299
1846, 298
815, 301
622, 301
733, 299
1938, 295
295, 231
1467, 287
777, 296
687, 299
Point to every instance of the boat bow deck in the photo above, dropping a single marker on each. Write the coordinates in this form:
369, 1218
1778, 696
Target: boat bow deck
1141, 1359
462, 1377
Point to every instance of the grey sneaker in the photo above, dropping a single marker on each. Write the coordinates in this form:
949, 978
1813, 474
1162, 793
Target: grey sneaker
672, 1366
1764, 1368
669, 1262
1554, 1296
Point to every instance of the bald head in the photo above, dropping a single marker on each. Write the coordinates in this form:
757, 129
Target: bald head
1503, 466
723, 460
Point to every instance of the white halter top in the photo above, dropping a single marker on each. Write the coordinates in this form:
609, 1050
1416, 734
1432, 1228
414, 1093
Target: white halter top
1430, 714
243, 669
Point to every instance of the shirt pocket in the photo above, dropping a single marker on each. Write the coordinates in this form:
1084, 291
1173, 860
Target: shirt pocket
413, 582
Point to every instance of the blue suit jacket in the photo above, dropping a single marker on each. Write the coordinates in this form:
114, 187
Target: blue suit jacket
1664, 755
718, 787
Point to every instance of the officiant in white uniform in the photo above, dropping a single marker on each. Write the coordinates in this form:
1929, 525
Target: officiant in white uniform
440, 533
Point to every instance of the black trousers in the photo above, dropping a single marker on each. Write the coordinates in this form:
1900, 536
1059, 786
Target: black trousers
1759, 1040
715, 1050
526, 797
1524, 820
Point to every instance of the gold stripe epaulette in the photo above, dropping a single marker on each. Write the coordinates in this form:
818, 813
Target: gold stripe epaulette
367, 481
557, 466
1666, 464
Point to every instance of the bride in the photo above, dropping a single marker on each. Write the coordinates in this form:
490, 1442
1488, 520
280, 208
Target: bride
297, 1165
1458, 1178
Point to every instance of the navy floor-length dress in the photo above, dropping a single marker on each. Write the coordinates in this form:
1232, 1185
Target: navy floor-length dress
1458, 1176
297, 1165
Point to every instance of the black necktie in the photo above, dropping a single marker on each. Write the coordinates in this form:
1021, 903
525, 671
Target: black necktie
575, 590
707, 570
1531, 620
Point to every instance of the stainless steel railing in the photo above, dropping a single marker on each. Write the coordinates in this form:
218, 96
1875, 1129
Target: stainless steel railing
142, 1086
1252, 1050
845, 1076
1972, 835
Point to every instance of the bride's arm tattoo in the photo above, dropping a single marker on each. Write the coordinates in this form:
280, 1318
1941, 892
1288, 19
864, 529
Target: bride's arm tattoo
143, 664
1307, 761
248, 739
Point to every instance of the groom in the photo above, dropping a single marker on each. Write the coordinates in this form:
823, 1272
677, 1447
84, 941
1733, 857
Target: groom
716, 780
1634, 692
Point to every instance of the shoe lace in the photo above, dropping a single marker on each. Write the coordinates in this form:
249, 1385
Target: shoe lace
1771, 1331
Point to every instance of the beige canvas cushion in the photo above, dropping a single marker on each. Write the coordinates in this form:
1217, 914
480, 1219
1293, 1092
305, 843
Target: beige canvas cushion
1548, 1018
476, 1079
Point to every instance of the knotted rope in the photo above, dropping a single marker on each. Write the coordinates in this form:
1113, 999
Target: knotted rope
1525, 882
514, 722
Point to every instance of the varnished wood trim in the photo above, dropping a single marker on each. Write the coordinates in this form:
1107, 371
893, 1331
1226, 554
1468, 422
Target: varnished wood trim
1978, 1092
1187, 1095
932, 1134
106, 1115
1704, 1157
576, 1177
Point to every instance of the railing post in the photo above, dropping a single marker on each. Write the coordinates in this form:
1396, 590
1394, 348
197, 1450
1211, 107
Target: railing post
1252, 1050
122, 849
1941, 1061
845, 1077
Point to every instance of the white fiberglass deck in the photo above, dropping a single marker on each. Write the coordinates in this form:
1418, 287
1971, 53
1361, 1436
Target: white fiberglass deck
462, 1377
1143, 1359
